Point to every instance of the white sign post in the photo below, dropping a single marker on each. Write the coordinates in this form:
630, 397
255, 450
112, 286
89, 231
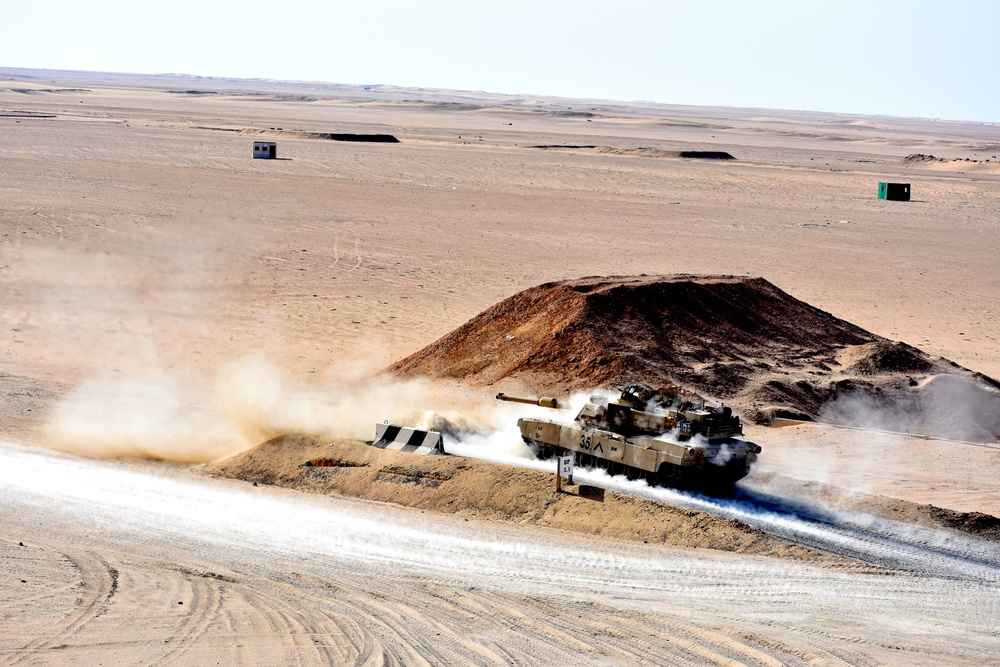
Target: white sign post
564, 468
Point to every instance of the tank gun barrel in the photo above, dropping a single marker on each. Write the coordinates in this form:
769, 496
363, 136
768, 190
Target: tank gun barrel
544, 402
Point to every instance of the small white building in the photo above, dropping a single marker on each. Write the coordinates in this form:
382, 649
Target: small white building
265, 150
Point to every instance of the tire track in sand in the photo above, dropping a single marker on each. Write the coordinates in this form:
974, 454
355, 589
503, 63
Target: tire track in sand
389, 620
98, 584
367, 629
308, 634
203, 609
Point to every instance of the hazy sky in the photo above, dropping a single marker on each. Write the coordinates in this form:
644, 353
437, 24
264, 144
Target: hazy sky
922, 58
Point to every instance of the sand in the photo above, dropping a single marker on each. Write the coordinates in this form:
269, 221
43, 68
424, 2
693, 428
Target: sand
145, 254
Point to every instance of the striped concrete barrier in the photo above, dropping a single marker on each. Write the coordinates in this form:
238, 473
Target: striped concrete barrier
404, 439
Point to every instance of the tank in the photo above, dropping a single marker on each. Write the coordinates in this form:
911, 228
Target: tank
668, 436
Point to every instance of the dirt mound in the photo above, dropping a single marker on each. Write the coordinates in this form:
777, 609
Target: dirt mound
976, 523
491, 491
640, 151
707, 155
659, 152
363, 138
884, 356
953, 164
740, 339
714, 333
570, 114
330, 136
39, 91
921, 157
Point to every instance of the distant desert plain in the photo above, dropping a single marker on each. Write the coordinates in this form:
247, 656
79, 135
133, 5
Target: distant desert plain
185, 325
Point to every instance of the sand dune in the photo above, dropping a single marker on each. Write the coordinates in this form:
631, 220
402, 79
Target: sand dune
981, 165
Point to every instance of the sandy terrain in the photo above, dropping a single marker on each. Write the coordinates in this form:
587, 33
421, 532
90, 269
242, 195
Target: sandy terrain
166, 295
112, 563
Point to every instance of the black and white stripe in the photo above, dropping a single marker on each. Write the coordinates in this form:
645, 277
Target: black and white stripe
404, 439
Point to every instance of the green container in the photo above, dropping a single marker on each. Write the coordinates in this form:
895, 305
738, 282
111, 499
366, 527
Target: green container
894, 191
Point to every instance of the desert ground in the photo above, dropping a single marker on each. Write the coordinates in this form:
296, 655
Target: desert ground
170, 304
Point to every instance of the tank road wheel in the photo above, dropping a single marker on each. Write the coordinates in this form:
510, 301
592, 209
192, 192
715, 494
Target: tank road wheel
632, 473
688, 478
668, 475
615, 468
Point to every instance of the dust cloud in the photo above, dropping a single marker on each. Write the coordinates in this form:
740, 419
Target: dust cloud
163, 337
942, 406
160, 415
142, 416
192, 418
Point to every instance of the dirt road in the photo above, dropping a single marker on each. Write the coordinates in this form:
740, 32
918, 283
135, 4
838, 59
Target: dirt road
133, 564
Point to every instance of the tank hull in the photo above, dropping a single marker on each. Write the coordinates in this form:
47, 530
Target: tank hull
711, 466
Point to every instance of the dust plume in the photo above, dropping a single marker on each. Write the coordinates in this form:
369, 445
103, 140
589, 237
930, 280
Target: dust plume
943, 406
162, 344
193, 418
346, 402
152, 415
